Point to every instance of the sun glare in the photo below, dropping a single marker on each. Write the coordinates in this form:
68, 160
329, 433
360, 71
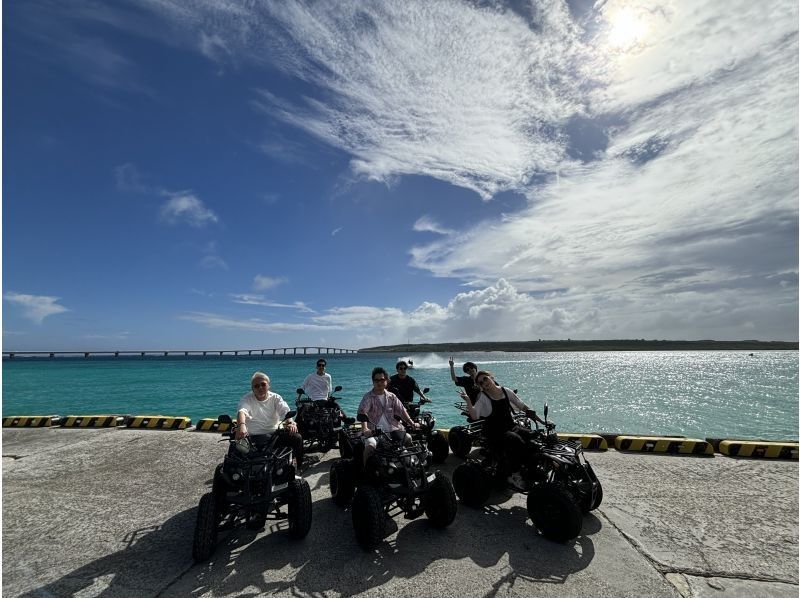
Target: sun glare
626, 29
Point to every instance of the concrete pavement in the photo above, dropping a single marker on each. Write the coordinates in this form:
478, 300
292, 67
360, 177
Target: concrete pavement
111, 512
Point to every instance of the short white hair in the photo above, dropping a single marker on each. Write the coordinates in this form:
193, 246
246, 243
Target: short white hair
259, 375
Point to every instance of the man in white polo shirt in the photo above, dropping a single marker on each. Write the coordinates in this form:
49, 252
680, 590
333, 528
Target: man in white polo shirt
260, 414
318, 385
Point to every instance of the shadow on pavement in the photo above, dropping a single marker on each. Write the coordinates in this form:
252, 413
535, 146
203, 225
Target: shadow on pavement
330, 561
152, 558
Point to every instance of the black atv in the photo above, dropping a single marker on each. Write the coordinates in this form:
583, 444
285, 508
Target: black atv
318, 421
395, 480
251, 486
427, 432
560, 483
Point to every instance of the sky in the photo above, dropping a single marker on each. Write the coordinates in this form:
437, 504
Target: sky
208, 174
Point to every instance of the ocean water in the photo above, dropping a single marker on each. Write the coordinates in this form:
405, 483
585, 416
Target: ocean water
691, 393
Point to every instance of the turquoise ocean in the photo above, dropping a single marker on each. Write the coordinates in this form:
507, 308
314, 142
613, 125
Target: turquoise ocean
698, 394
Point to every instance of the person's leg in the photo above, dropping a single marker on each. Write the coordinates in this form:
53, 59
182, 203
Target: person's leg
292, 441
369, 448
400, 436
513, 447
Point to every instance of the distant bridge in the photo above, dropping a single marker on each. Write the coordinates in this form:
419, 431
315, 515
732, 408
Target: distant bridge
166, 353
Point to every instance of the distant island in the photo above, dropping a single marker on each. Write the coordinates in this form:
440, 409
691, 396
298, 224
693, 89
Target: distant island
584, 345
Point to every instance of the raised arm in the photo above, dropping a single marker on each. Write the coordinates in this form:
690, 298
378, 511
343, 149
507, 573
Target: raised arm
453, 372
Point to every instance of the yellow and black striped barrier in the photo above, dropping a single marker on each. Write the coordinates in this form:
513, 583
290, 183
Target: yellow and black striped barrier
211, 425
92, 421
660, 444
755, 448
158, 422
589, 442
29, 421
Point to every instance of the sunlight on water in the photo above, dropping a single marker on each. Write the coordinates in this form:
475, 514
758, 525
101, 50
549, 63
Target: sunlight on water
692, 393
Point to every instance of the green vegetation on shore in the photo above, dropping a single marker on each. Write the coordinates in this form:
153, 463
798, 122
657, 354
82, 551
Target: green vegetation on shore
588, 345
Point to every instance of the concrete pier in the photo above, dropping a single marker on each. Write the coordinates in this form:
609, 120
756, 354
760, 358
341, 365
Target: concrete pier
111, 512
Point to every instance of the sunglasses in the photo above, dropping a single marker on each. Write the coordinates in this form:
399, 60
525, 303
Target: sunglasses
379, 380
260, 385
320, 365
401, 368
484, 379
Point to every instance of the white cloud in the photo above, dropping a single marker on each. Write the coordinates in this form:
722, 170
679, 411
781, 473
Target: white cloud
679, 220
335, 231
35, 307
262, 283
428, 224
210, 262
129, 179
183, 206
253, 325
260, 300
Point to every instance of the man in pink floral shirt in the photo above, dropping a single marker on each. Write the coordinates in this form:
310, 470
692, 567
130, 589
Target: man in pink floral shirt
381, 407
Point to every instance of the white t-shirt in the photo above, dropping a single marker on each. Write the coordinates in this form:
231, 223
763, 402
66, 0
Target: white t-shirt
263, 417
384, 423
318, 387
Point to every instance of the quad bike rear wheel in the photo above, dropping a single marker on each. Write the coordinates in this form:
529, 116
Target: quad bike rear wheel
460, 442
437, 445
472, 484
342, 482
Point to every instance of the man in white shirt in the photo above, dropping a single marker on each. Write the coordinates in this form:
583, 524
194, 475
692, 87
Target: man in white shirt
318, 385
260, 414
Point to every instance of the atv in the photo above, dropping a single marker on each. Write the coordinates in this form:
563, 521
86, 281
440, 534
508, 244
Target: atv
253, 483
427, 432
318, 421
559, 482
394, 480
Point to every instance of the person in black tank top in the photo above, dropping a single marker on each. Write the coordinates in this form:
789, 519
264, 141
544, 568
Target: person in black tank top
496, 404
466, 382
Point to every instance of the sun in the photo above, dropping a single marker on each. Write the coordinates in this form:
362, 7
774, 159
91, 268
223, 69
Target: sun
626, 29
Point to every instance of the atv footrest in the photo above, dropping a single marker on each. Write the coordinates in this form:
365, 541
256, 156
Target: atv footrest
414, 513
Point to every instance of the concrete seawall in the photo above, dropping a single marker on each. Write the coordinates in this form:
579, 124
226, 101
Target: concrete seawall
111, 512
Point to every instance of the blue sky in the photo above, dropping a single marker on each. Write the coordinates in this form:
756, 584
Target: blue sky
210, 174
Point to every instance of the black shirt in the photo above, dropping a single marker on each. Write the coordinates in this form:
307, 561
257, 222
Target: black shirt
469, 386
403, 387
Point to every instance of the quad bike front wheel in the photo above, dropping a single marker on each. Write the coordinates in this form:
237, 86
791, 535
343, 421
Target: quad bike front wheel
440, 502
554, 512
205, 529
299, 508
369, 519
